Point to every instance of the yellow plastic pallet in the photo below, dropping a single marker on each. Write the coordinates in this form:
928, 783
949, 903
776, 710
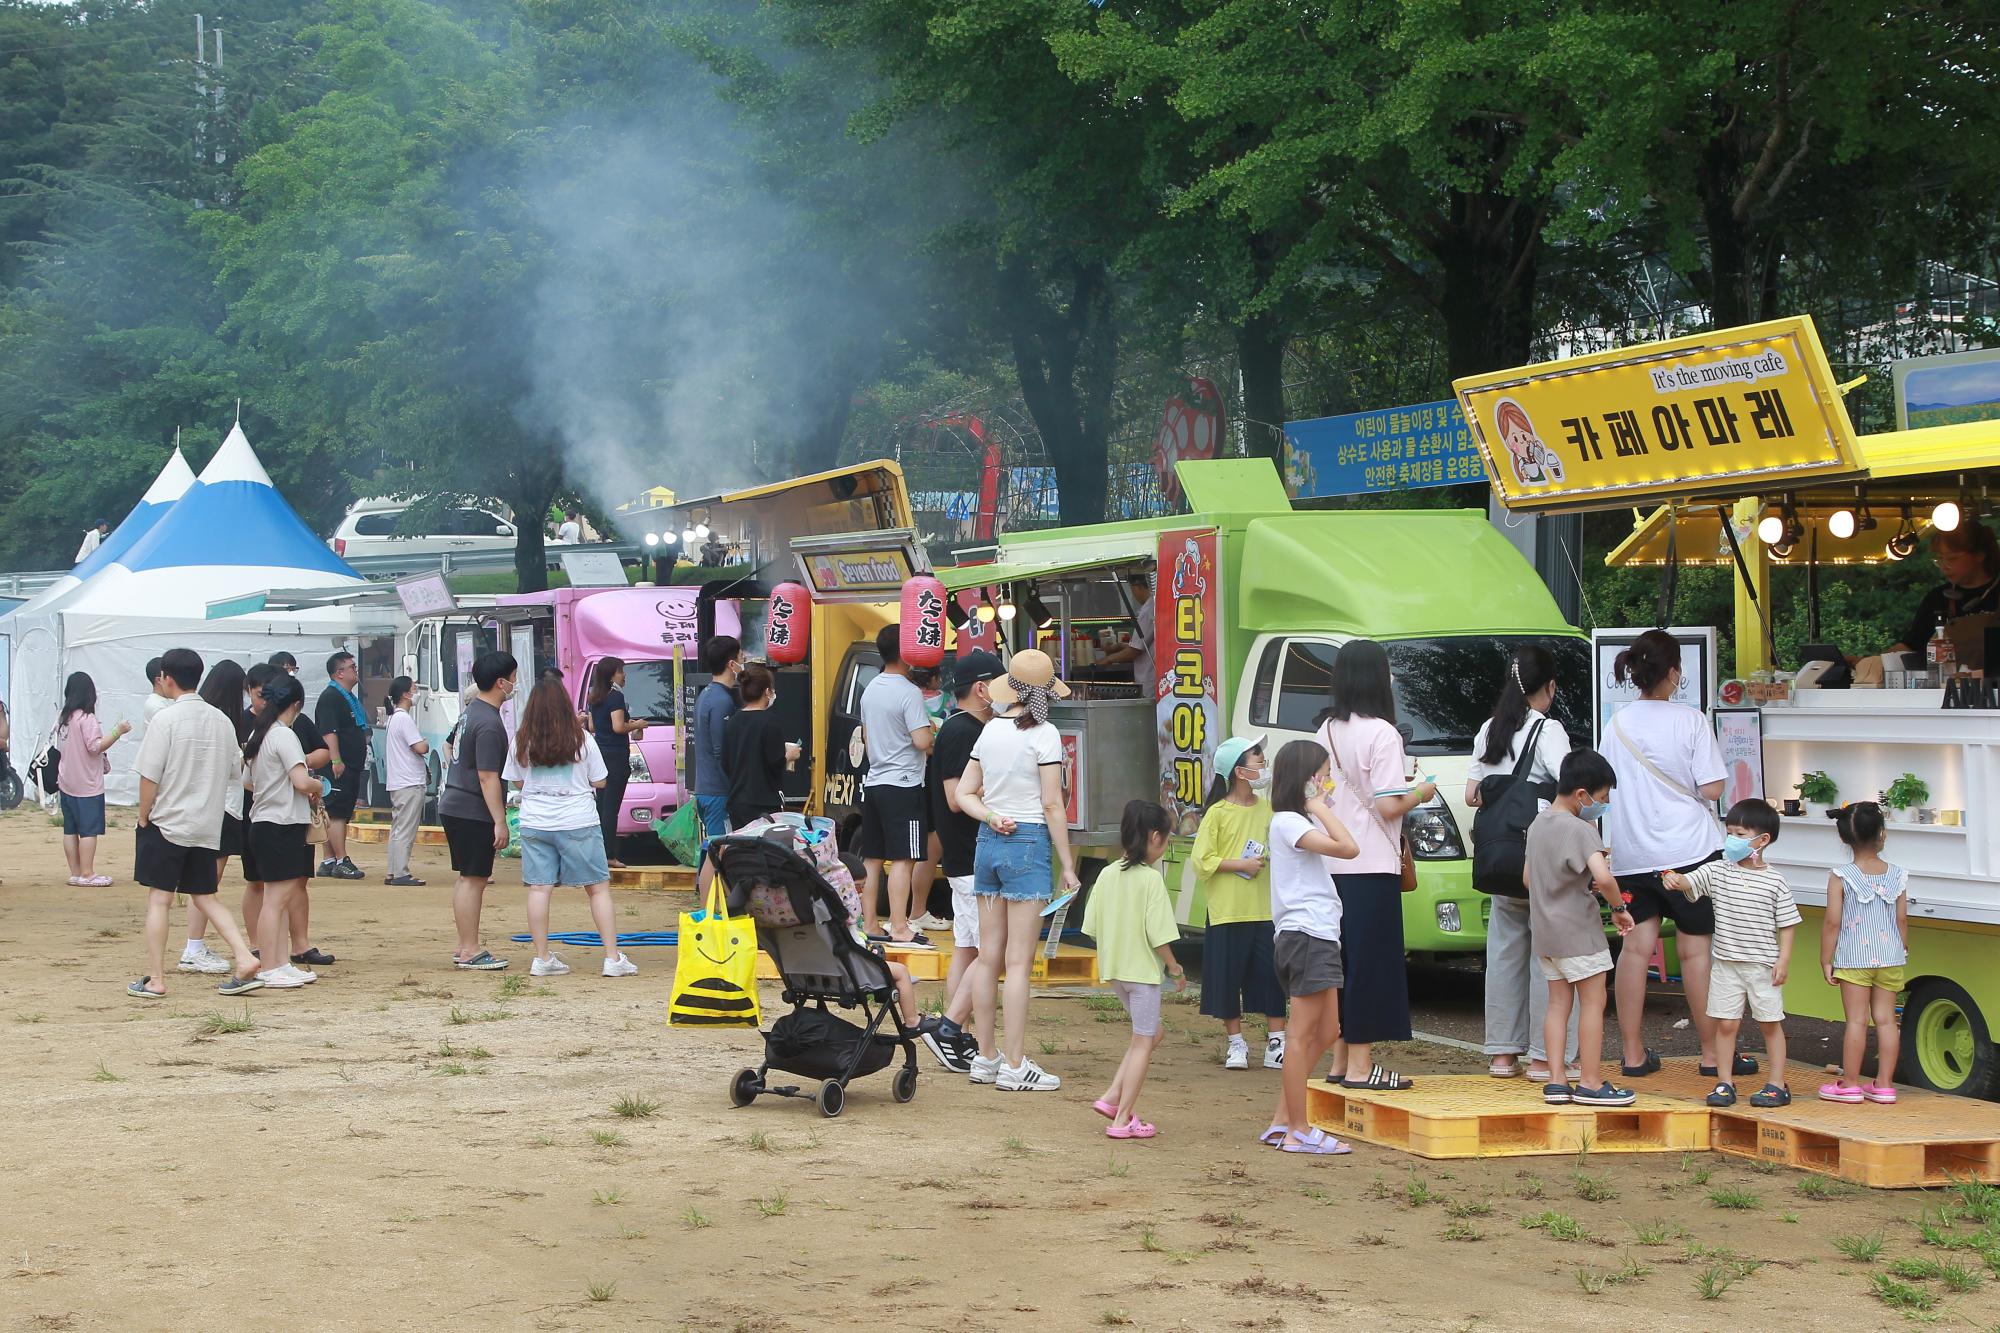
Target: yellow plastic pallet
654, 877
1460, 1116
1925, 1138
427, 836
924, 964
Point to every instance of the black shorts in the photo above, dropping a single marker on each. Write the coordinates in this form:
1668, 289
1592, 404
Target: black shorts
279, 852
232, 836
346, 792
895, 823
1650, 900
159, 864
471, 843
1238, 972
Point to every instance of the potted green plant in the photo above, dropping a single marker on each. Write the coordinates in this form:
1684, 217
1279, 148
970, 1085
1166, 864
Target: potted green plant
1905, 795
1818, 791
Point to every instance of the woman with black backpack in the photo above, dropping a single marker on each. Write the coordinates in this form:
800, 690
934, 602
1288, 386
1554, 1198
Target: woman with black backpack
1521, 744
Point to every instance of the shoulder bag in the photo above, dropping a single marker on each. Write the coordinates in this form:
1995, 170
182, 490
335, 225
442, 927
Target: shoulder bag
1508, 803
45, 769
1708, 807
1407, 869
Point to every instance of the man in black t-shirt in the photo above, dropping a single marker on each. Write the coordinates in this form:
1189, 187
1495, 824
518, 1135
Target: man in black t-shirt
339, 716
958, 836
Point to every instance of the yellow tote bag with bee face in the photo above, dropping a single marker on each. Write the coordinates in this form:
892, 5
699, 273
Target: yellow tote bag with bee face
715, 972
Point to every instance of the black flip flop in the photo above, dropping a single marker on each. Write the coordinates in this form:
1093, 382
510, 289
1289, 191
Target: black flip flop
1380, 1080
1649, 1065
137, 990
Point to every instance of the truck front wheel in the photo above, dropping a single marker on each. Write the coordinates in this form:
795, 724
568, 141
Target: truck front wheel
1947, 1046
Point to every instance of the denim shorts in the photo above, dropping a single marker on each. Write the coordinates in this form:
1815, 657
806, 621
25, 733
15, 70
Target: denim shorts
573, 856
1019, 866
83, 816
714, 812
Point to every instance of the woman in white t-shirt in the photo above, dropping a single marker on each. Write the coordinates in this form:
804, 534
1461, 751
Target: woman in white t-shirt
406, 773
1013, 785
1670, 774
1516, 995
276, 853
559, 769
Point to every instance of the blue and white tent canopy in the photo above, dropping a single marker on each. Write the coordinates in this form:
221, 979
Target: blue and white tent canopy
167, 488
232, 533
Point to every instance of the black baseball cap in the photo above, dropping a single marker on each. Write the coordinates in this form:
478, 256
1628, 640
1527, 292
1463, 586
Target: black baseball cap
969, 668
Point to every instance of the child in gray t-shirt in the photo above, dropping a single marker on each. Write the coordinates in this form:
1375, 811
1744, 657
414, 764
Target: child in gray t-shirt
1566, 872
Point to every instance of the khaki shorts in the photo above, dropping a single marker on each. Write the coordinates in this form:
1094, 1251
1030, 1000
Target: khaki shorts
1732, 985
1582, 967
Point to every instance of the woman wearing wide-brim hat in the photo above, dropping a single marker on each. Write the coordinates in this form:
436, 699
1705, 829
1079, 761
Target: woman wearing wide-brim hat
1013, 785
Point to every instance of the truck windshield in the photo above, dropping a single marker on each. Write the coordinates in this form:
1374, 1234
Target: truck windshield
649, 691
1445, 687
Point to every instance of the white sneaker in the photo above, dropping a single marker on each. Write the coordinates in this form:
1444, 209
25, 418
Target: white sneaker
930, 921
1027, 1077
552, 966
985, 1070
305, 974
621, 966
1274, 1051
281, 978
204, 962
1236, 1053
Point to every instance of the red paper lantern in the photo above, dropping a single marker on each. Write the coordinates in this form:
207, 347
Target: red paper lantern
788, 629
922, 636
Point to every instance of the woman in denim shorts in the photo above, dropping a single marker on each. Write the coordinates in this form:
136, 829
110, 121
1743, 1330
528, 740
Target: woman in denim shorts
1013, 786
559, 768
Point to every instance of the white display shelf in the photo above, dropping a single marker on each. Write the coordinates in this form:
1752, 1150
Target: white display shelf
1894, 828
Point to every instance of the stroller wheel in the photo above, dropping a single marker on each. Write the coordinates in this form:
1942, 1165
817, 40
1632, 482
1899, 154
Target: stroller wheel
743, 1089
832, 1097
905, 1086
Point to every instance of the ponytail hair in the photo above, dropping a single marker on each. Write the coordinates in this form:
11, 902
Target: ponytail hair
603, 679
1859, 825
1529, 670
280, 692
1652, 657
1136, 827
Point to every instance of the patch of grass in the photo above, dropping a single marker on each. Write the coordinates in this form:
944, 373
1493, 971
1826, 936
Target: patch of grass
1956, 1276
1593, 1189
1701, 1176
1556, 1225
1469, 1208
759, 1141
1014, 1147
1861, 1249
607, 1138
1789, 1218
1531, 1189
1417, 1191
1118, 1168
1461, 1231
217, 1025
447, 1051
1371, 1238
511, 988
542, 1141
694, 1219
627, 1233
451, 1068
634, 1107
773, 1206
1049, 1045
597, 1291
1657, 1233
1733, 1197
30, 1017
104, 1075
1977, 1200
1103, 1004
1712, 1281
1822, 1188
1902, 1295
1114, 1319
608, 1198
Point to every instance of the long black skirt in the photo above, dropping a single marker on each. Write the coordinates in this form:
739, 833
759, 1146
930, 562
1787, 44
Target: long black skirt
1375, 997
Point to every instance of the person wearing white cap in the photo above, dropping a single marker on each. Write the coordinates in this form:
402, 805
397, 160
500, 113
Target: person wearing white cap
1013, 786
1230, 851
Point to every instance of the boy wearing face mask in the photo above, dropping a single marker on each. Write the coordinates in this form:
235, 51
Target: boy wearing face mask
1566, 873
1754, 920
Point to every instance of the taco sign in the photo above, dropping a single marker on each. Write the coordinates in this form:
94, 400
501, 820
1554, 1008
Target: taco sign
1669, 418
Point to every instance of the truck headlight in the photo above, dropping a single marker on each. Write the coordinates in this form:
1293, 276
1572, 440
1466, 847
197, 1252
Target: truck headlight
641, 771
1433, 833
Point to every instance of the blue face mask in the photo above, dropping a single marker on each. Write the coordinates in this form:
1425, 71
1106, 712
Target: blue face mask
1596, 810
1736, 847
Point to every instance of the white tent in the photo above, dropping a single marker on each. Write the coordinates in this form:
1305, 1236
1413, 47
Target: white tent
228, 535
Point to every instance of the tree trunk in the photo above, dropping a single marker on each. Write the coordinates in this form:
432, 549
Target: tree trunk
1490, 261
1730, 285
532, 493
815, 447
1260, 352
1067, 362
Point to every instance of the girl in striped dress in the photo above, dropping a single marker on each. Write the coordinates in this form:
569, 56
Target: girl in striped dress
1864, 943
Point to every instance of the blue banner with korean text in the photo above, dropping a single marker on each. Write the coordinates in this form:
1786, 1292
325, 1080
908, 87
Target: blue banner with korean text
1390, 449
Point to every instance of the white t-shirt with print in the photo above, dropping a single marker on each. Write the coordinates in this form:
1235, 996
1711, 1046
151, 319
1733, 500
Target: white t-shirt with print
1302, 892
1010, 765
402, 766
558, 797
1651, 825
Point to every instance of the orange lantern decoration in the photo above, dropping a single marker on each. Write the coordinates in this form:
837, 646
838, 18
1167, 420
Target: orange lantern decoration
788, 628
922, 631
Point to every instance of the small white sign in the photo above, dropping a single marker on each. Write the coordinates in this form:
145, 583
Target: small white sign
1697, 687
426, 595
594, 569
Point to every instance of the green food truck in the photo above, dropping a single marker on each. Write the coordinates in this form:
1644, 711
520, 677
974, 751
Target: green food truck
1253, 601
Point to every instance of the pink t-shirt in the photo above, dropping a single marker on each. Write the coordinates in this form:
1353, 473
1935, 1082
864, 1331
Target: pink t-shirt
1367, 763
82, 772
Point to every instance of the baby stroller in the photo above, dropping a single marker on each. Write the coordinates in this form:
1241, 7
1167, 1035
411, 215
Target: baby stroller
802, 923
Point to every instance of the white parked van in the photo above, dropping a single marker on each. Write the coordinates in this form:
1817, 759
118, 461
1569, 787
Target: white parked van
371, 527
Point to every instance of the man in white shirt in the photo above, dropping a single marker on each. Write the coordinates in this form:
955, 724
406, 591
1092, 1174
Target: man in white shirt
187, 761
569, 532
92, 539
1139, 651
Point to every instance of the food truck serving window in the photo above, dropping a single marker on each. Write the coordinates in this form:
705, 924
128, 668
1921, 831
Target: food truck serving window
1445, 687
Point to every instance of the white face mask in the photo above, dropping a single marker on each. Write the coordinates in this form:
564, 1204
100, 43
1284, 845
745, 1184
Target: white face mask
1260, 780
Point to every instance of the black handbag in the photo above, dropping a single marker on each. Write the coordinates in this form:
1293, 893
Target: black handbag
44, 771
1508, 803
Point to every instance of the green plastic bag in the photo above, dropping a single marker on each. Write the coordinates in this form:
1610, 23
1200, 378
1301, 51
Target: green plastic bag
681, 834
512, 851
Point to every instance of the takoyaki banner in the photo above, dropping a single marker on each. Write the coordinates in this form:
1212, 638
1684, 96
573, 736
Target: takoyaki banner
1736, 410
1187, 661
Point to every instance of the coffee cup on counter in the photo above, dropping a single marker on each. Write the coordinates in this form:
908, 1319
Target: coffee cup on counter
1793, 807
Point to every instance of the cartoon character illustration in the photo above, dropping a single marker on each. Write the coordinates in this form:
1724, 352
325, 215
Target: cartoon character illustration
1535, 464
1188, 580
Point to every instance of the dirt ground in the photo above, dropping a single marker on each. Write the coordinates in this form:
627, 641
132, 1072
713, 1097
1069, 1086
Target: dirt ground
403, 1145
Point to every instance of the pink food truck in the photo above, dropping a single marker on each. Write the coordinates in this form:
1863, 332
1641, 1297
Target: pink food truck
573, 629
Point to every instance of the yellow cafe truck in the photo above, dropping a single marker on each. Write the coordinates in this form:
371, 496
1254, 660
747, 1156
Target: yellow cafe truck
1251, 602
1736, 450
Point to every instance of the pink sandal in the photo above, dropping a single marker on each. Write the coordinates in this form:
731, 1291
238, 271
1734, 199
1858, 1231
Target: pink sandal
1879, 1095
1840, 1092
1324, 1146
1104, 1108
1131, 1129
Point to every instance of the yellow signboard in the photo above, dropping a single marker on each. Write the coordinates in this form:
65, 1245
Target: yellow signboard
1728, 410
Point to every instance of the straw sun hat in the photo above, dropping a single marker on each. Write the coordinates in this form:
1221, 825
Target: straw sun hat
1030, 666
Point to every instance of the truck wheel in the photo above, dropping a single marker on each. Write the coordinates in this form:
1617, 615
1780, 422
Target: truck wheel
1947, 1046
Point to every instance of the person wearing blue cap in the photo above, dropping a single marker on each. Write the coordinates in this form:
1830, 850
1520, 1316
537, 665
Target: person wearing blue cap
1229, 858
